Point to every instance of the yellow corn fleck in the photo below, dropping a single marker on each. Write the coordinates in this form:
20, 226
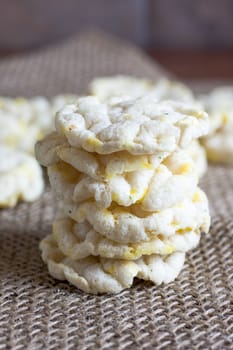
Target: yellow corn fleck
140, 200
225, 119
40, 135
106, 212
158, 170
198, 114
147, 165
110, 270
133, 191
109, 176
148, 249
94, 142
115, 196
184, 168
150, 233
181, 231
130, 253
196, 197
175, 223
169, 249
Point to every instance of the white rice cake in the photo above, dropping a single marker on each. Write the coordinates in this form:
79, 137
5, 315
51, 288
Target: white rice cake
99, 275
109, 87
118, 85
219, 147
20, 177
219, 142
132, 224
154, 186
80, 240
141, 126
54, 148
23, 122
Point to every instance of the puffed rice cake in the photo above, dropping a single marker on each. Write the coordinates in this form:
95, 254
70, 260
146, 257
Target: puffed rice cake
155, 187
133, 224
20, 177
109, 87
123, 234
141, 126
97, 275
219, 142
25, 121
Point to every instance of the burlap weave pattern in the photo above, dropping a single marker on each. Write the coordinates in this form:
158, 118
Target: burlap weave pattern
68, 67
38, 312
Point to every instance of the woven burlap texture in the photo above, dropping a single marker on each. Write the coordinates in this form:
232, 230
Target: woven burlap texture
38, 312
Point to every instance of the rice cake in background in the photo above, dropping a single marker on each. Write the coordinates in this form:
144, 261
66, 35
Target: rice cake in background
20, 177
219, 142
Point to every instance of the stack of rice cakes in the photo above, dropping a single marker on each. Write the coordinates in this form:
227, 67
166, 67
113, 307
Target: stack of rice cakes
128, 189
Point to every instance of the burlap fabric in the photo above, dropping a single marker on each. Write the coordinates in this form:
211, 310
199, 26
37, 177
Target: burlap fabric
38, 312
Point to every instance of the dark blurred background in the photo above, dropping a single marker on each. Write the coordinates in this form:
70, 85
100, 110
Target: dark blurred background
202, 27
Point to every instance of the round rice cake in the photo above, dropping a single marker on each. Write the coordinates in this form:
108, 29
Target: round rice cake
80, 240
97, 275
20, 177
219, 147
133, 224
139, 126
165, 89
155, 187
219, 142
219, 105
54, 148
119, 85
23, 122
106, 88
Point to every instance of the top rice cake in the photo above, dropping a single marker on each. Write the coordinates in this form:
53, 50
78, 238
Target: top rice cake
138, 126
